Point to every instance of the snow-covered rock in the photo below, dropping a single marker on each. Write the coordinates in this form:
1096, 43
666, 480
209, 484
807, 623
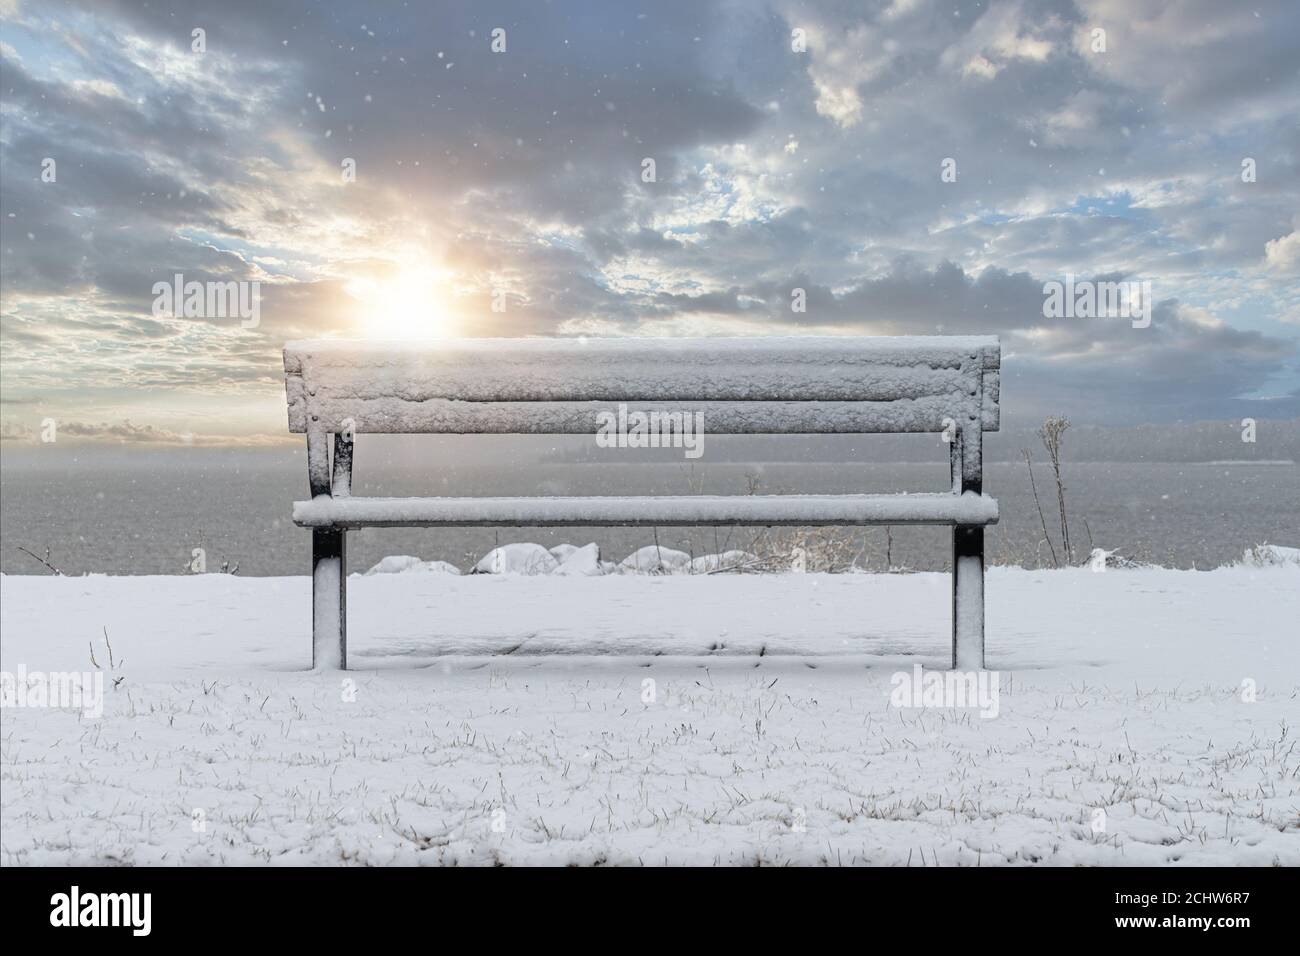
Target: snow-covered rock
1270, 555
653, 559
521, 558
1099, 559
408, 563
585, 560
727, 561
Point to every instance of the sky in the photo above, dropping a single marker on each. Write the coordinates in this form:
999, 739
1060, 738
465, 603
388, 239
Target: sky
418, 170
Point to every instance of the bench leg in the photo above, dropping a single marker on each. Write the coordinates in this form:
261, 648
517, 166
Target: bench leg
967, 599
329, 608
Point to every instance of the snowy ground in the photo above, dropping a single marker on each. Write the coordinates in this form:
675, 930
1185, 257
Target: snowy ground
504, 719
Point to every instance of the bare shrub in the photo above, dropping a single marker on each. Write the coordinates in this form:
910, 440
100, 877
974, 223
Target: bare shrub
1051, 433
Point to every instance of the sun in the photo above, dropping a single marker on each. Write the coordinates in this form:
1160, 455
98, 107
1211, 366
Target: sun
408, 305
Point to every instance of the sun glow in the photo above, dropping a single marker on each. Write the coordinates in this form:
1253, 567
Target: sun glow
408, 305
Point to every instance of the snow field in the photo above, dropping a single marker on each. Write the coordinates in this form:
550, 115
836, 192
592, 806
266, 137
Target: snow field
509, 719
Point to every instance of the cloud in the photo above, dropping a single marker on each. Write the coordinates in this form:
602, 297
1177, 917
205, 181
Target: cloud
1283, 254
521, 173
1226, 65
840, 64
1003, 34
128, 433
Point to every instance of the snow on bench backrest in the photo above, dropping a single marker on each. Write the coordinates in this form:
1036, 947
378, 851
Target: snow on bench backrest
556, 386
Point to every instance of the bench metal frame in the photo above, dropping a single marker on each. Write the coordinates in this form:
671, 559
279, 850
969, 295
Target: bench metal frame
935, 384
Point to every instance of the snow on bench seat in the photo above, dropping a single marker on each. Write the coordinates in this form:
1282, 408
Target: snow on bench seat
558, 386
965, 509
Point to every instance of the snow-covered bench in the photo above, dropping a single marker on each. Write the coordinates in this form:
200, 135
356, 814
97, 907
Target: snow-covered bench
940, 384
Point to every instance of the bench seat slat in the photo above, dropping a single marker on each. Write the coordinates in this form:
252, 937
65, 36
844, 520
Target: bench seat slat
760, 510
443, 416
628, 380
555, 359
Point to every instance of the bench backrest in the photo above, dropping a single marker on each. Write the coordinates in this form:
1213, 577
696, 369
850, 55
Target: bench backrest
556, 386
